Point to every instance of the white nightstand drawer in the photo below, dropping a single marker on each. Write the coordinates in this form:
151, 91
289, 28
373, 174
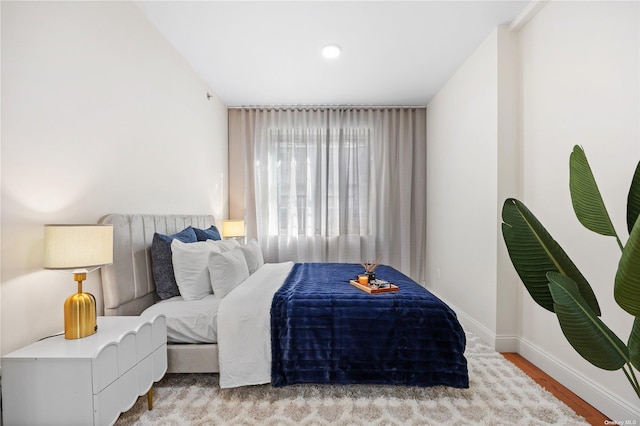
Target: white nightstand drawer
129, 390
145, 374
107, 405
144, 341
159, 332
127, 356
159, 362
105, 367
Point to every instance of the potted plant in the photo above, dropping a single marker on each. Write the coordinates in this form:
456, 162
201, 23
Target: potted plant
555, 283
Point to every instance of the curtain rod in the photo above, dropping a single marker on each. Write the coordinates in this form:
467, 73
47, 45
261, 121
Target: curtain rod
327, 107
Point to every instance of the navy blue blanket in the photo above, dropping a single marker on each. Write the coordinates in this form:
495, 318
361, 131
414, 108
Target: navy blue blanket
324, 330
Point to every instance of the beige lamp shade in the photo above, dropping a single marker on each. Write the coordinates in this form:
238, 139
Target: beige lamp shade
233, 228
77, 246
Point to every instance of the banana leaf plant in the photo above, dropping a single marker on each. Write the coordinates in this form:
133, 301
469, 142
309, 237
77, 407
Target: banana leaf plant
555, 283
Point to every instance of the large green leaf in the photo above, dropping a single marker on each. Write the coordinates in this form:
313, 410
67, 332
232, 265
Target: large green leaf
633, 200
585, 195
626, 289
534, 252
588, 335
634, 344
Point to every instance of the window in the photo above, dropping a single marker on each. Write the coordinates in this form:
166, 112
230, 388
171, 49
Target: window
320, 182
337, 184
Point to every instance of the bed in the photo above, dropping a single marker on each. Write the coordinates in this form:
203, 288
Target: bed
128, 286
291, 323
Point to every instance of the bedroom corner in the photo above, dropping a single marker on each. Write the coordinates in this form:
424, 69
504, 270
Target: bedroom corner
484, 148
578, 68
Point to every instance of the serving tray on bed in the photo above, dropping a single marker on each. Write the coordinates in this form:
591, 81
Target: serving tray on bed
373, 290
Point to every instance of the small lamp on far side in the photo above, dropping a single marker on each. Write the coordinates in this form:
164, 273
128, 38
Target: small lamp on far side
80, 249
233, 229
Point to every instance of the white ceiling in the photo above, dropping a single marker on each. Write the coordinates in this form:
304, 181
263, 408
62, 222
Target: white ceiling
268, 53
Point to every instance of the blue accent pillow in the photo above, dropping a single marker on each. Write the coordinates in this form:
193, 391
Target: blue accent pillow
161, 263
207, 234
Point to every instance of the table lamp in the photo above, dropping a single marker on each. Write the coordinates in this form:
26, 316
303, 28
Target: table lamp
233, 228
80, 249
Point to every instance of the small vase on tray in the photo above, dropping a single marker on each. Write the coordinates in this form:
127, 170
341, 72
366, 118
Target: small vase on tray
370, 269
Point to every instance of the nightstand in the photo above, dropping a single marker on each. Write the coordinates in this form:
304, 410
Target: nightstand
87, 381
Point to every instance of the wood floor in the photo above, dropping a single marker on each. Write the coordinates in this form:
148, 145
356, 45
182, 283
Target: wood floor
572, 400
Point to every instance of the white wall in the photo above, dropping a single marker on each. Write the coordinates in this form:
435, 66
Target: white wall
466, 132
580, 85
461, 186
509, 185
100, 115
577, 82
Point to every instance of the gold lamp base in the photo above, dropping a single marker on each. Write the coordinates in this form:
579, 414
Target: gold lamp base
80, 312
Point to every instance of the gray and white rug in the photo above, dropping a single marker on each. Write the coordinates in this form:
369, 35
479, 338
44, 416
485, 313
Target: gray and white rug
499, 394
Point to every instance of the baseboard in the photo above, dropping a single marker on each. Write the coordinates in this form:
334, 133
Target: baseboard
612, 406
505, 343
618, 410
501, 343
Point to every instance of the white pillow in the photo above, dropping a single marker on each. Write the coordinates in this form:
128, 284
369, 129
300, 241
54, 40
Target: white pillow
226, 271
227, 245
253, 255
191, 267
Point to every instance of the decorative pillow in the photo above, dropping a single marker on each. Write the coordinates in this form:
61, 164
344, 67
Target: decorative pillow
191, 267
227, 245
210, 233
253, 255
227, 270
161, 263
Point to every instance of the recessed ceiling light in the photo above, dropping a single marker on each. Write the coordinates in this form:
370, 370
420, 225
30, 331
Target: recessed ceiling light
331, 51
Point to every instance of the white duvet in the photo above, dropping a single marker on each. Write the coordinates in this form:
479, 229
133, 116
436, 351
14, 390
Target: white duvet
244, 327
188, 321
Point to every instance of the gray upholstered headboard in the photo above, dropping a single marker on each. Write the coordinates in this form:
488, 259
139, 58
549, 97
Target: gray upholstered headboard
127, 284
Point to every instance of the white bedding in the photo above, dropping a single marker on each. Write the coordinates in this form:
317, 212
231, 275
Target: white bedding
188, 321
244, 327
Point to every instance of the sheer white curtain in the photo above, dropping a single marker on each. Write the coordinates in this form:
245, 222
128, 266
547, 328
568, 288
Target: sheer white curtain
314, 193
337, 185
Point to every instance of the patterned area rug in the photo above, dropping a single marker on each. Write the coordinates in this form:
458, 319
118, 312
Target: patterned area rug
499, 393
